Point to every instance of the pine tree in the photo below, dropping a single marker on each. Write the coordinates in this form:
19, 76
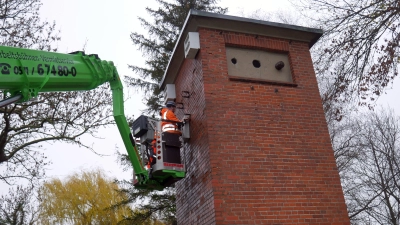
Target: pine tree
158, 45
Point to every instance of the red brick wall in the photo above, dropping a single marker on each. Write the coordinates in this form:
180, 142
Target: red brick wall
260, 153
195, 203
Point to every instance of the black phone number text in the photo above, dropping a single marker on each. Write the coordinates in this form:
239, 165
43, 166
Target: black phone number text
41, 69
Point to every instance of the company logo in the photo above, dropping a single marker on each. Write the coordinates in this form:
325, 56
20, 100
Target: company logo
5, 68
173, 165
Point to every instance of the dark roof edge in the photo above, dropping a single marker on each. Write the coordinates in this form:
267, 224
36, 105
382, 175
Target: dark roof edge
261, 22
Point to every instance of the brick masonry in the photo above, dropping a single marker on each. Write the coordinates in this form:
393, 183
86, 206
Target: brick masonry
259, 153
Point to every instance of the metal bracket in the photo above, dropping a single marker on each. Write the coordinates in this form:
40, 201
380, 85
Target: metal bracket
185, 94
179, 105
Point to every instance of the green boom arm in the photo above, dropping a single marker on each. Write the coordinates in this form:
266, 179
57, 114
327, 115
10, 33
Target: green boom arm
24, 73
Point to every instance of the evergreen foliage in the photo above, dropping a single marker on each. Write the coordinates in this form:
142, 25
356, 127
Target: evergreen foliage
158, 45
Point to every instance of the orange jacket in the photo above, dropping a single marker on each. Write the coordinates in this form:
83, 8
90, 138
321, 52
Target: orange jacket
163, 110
154, 147
168, 115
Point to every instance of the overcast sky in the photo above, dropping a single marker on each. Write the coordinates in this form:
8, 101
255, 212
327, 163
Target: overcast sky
105, 27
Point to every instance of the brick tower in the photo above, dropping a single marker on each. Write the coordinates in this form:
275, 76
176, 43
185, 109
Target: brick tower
259, 151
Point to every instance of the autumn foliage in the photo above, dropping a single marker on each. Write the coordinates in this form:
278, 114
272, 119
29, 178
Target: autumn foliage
82, 198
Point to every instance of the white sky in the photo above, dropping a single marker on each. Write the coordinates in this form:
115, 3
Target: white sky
105, 26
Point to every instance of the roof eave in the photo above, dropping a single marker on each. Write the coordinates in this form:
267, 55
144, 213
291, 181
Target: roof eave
197, 19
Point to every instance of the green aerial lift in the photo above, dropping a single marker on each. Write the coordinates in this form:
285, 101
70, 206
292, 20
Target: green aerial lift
24, 73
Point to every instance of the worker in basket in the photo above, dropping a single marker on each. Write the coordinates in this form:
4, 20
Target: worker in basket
169, 121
